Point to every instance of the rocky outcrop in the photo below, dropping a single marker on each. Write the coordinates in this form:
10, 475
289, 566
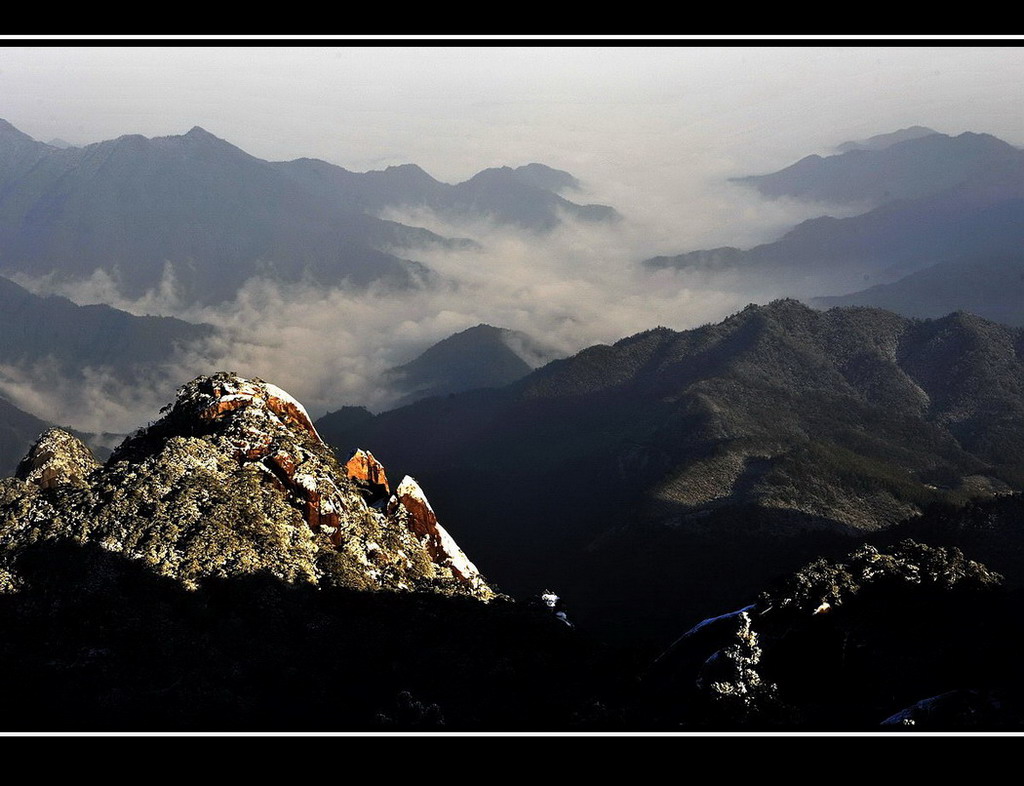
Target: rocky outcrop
408, 507
233, 479
57, 457
368, 473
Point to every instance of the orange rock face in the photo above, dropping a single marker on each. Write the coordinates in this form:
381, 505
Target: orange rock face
369, 473
422, 519
291, 414
317, 499
222, 406
244, 393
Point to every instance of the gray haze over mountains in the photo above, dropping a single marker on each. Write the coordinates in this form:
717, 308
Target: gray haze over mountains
418, 260
924, 201
324, 277
655, 134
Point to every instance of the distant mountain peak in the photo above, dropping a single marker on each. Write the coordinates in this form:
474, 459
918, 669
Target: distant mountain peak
197, 135
882, 164
6, 127
494, 174
198, 132
11, 135
985, 141
779, 304
477, 357
406, 168
411, 173
484, 328
548, 178
882, 141
775, 308
535, 175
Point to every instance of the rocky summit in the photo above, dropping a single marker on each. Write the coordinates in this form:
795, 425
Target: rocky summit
233, 479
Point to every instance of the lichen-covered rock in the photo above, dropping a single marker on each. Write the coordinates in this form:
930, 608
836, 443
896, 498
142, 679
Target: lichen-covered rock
233, 479
57, 457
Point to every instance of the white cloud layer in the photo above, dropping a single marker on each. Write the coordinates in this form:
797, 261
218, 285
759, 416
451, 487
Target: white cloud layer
576, 286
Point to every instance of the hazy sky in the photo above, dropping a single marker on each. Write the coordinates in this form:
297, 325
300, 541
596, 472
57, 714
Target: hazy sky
455, 110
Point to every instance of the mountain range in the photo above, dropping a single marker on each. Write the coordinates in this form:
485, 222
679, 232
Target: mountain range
882, 141
200, 575
52, 328
991, 286
929, 200
204, 214
887, 171
51, 338
753, 443
793, 518
524, 197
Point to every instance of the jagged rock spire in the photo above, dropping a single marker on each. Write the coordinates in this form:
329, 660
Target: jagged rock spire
368, 473
409, 506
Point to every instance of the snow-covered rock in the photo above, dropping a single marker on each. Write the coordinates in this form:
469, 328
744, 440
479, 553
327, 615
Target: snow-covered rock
57, 457
410, 508
232, 479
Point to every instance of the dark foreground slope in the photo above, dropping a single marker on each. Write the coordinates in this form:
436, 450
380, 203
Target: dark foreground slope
223, 570
96, 641
909, 637
674, 469
869, 642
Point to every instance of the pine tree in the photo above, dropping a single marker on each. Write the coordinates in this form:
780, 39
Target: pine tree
731, 682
